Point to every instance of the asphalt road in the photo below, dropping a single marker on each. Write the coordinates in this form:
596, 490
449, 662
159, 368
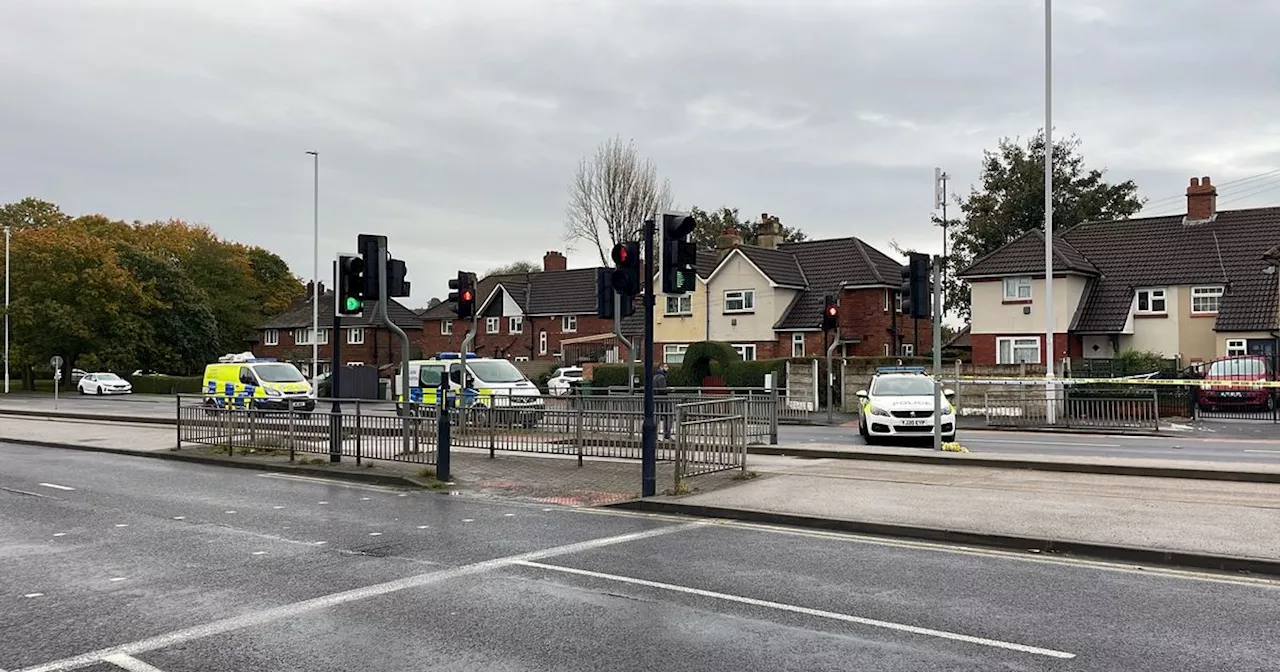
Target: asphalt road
1199, 446
151, 565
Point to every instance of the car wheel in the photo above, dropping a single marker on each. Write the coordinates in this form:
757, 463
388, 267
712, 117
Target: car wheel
99, 391
949, 438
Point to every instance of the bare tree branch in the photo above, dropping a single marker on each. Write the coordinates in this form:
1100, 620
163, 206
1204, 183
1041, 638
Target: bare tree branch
611, 195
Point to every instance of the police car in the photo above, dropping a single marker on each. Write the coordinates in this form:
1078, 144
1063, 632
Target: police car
900, 405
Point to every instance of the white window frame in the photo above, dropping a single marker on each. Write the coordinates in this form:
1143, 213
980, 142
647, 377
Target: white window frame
908, 349
271, 337
1207, 293
681, 301
673, 353
542, 342
1017, 343
324, 337
1020, 285
1153, 295
745, 298
1237, 347
355, 363
743, 349
521, 358
887, 349
515, 324
797, 344
492, 325
302, 336
446, 327
569, 324
355, 335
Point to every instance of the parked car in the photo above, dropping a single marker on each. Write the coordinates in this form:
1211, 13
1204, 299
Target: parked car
78, 374
562, 381
103, 383
1244, 369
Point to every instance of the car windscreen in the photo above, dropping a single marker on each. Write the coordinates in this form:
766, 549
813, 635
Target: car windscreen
278, 373
496, 371
571, 374
1245, 367
429, 376
902, 386
107, 376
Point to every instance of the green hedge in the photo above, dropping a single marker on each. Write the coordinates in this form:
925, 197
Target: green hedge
167, 384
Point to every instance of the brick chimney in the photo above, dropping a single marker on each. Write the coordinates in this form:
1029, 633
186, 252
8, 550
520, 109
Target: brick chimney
770, 232
1202, 200
726, 241
554, 261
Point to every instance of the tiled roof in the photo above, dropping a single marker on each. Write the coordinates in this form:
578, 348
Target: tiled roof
828, 266
299, 315
571, 292
514, 282
961, 339
781, 267
1157, 252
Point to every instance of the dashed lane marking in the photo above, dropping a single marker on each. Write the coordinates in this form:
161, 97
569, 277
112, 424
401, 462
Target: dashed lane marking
292, 611
130, 663
820, 613
55, 486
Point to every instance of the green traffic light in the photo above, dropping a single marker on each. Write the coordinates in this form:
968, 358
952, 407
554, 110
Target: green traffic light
352, 303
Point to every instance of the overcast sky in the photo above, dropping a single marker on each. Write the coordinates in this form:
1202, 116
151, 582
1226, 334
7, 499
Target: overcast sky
454, 126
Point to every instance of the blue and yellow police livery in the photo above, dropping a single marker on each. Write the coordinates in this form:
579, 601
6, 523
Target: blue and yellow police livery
257, 383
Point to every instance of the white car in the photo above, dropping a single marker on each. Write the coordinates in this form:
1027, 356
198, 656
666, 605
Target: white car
900, 405
560, 383
103, 383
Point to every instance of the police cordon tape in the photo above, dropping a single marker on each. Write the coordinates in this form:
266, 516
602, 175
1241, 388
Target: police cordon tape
1142, 382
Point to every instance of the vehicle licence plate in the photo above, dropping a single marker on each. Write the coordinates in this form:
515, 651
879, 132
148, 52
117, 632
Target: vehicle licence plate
915, 423
299, 404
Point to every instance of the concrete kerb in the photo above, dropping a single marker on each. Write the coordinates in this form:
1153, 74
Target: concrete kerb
968, 460
90, 417
229, 461
1133, 554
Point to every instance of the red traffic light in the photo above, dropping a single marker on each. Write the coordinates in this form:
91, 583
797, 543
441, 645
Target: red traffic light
831, 310
620, 254
466, 295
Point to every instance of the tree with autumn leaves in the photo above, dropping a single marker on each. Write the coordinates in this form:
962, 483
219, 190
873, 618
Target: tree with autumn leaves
109, 295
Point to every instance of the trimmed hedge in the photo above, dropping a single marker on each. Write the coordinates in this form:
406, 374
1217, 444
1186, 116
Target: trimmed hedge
167, 384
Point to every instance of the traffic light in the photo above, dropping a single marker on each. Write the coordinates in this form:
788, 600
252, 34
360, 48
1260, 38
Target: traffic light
915, 286
604, 293
626, 270
397, 286
679, 255
830, 313
350, 290
374, 264
465, 294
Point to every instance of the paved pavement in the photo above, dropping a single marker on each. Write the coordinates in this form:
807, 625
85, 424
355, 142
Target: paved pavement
159, 566
1198, 445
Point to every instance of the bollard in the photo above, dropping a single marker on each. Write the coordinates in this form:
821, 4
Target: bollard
442, 432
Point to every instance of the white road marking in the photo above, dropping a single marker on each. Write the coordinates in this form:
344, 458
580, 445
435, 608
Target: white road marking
179, 517
34, 595
59, 534
365, 499
277, 507
117, 579
24, 492
122, 524
423, 527
228, 511
323, 503
847, 618
292, 611
375, 534
331, 482
130, 663
1259, 450
508, 515
468, 520
321, 543
259, 552
55, 486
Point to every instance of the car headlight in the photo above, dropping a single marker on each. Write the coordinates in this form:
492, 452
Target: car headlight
272, 392
876, 410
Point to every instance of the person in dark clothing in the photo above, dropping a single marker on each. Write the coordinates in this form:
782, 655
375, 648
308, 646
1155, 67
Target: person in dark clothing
661, 406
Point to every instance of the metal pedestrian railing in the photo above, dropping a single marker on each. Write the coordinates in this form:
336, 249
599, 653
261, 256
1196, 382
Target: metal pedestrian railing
1044, 405
764, 409
709, 437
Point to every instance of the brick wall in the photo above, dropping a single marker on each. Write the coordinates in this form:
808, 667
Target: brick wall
1064, 345
380, 347
507, 345
863, 315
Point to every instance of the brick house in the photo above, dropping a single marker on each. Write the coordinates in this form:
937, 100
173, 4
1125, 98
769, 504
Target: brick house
1193, 287
366, 339
767, 299
524, 316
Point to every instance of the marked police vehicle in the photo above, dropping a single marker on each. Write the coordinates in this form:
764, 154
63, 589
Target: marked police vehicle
491, 383
899, 404
244, 381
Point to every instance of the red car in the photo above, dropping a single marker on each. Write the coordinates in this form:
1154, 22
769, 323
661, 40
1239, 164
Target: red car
1245, 369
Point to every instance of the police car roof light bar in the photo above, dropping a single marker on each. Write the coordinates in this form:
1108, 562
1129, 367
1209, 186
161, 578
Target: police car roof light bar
454, 355
900, 369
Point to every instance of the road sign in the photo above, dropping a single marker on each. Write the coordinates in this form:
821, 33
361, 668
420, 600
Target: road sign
56, 362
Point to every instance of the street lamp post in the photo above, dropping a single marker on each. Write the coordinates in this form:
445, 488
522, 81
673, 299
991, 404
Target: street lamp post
1048, 205
315, 275
6, 309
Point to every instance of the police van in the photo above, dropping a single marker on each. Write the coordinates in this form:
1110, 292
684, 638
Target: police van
491, 383
244, 381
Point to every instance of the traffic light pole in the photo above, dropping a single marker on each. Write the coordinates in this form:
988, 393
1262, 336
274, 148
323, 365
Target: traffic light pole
335, 419
631, 350
830, 375
649, 431
383, 300
937, 355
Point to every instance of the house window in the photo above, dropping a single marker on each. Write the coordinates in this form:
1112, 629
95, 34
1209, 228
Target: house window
542, 342
521, 359
1151, 302
271, 337
1204, 300
355, 336
739, 300
491, 324
679, 305
1018, 350
895, 298
886, 350
1237, 347
323, 337
515, 325
1017, 289
746, 351
355, 363
797, 344
302, 337
569, 323
908, 349
446, 327
673, 354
